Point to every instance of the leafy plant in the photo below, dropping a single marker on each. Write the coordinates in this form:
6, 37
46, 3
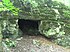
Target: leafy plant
32, 2
63, 41
36, 42
10, 43
7, 5
2, 7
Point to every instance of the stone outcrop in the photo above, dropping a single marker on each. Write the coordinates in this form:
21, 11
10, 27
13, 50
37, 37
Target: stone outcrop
50, 18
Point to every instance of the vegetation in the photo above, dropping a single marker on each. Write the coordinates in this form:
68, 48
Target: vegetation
10, 43
55, 17
6, 5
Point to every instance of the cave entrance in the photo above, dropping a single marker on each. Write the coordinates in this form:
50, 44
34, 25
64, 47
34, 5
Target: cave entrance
28, 26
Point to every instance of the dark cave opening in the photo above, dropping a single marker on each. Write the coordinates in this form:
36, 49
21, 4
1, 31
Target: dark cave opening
28, 26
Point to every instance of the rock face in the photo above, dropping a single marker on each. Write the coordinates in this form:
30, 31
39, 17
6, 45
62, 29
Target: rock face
52, 19
9, 27
49, 17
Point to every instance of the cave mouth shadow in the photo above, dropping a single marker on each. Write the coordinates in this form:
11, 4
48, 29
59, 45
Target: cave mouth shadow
29, 27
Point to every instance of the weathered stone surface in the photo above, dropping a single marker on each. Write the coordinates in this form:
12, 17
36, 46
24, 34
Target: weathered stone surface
43, 26
9, 23
10, 28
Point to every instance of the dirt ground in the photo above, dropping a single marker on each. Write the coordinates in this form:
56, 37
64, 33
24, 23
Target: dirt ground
37, 44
